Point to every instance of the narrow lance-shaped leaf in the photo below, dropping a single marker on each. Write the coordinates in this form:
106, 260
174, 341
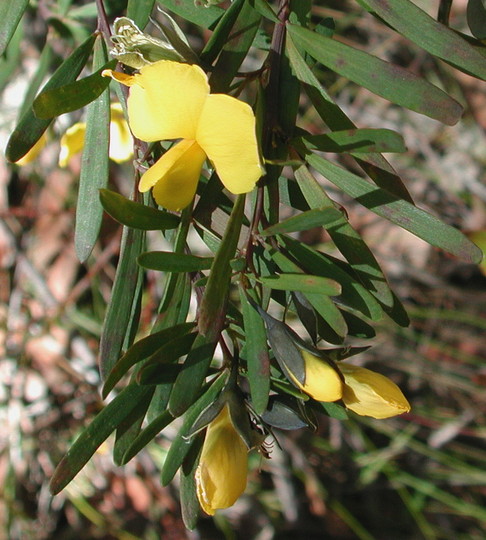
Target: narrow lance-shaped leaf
98, 431
303, 283
136, 215
318, 217
392, 82
139, 11
207, 17
358, 141
220, 35
143, 349
257, 357
94, 166
374, 164
235, 49
418, 26
123, 296
10, 15
402, 213
181, 445
30, 128
72, 96
167, 261
212, 311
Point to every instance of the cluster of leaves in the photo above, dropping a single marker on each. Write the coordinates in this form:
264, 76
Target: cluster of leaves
256, 259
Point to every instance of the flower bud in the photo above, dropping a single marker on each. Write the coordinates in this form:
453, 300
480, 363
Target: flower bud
222, 470
322, 381
368, 393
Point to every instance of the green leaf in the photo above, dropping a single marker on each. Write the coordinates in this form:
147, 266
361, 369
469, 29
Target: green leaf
207, 17
143, 349
235, 49
180, 445
353, 295
189, 381
318, 217
476, 18
73, 96
166, 261
30, 128
392, 82
283, 413
95, 434
264, 9
402, 213
375, 165
357, 141
415, 24
139, 11
303, 283
320, 302
94, 166
190, 508
147, 435
128, 430
349, 242
123, 296
335, 411
220, 35
170, 352
256, 354
10, 15
136, 215
11, 58
215, 296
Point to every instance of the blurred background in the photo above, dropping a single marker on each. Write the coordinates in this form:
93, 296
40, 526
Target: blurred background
421, 475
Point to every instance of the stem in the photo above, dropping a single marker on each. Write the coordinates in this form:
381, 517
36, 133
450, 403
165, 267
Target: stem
270, 123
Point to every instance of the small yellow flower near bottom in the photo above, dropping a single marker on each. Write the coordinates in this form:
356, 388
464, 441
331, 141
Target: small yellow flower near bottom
222, 470
368, 393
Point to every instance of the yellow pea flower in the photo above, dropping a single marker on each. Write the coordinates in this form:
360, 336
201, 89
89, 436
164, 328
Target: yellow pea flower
222, 470
121, 142
169, 100
368, 393
322, 381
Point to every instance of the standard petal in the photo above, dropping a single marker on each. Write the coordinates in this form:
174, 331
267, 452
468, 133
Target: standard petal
72, 142
226, 133
222, 470
121, 142
175, 175
368, 393
166, 101
322, 381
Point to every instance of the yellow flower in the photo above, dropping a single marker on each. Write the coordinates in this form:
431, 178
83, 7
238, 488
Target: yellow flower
33, 152
322, 381
169, 100
368, 393
121, 142
222, 470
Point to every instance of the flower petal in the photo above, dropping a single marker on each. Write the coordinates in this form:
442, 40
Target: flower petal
226, 133
322, 381
371, 394
222, 470
166, 101
175, 175
72, 142
121, 142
